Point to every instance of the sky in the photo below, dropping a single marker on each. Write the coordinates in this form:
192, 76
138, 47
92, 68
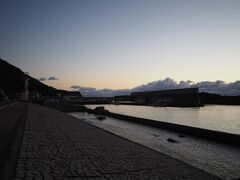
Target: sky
121, 44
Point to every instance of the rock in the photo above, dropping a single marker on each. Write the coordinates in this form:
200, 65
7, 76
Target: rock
172, 140
100, 109
181, 136
155, 135
101, 118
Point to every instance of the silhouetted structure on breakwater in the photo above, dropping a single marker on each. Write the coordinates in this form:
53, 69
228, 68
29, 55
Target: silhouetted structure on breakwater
187, 97
208, 98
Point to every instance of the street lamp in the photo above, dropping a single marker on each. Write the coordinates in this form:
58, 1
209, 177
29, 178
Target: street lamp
26, 79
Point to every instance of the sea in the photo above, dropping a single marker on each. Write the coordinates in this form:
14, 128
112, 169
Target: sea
220, 159
214, 117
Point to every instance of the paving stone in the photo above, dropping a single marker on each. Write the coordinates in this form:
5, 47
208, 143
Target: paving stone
57, 146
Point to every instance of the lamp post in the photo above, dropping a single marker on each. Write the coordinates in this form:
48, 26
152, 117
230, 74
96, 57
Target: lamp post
26, 85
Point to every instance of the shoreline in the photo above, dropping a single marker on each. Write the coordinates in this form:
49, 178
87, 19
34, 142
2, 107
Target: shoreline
212, 135
215, 136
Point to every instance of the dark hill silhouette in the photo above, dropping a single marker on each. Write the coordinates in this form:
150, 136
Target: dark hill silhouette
12, 82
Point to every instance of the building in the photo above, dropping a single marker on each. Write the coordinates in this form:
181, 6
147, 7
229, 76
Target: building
3, 97
71, 96
187, 97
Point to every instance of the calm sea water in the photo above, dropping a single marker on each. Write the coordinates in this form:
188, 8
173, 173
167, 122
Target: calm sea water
214, 117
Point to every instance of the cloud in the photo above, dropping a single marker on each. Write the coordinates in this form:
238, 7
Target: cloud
93, 92
75, 87
216, 87
52, 78
42, 79
220, 87
167, 83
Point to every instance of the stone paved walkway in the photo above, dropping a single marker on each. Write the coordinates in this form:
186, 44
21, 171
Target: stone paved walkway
57, 146
11, 123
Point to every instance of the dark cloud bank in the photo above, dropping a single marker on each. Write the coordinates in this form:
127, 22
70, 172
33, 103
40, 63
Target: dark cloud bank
216, 87
42, 79
50, 78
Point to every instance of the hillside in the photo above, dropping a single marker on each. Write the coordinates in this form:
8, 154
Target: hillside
12, 81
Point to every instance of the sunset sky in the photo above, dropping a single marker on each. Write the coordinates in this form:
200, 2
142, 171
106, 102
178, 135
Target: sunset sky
122, 43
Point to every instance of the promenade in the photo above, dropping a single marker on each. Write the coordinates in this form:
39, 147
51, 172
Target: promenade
11, 126
57, 146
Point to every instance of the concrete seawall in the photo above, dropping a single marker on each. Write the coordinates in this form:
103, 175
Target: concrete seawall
217, 136
65, 107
